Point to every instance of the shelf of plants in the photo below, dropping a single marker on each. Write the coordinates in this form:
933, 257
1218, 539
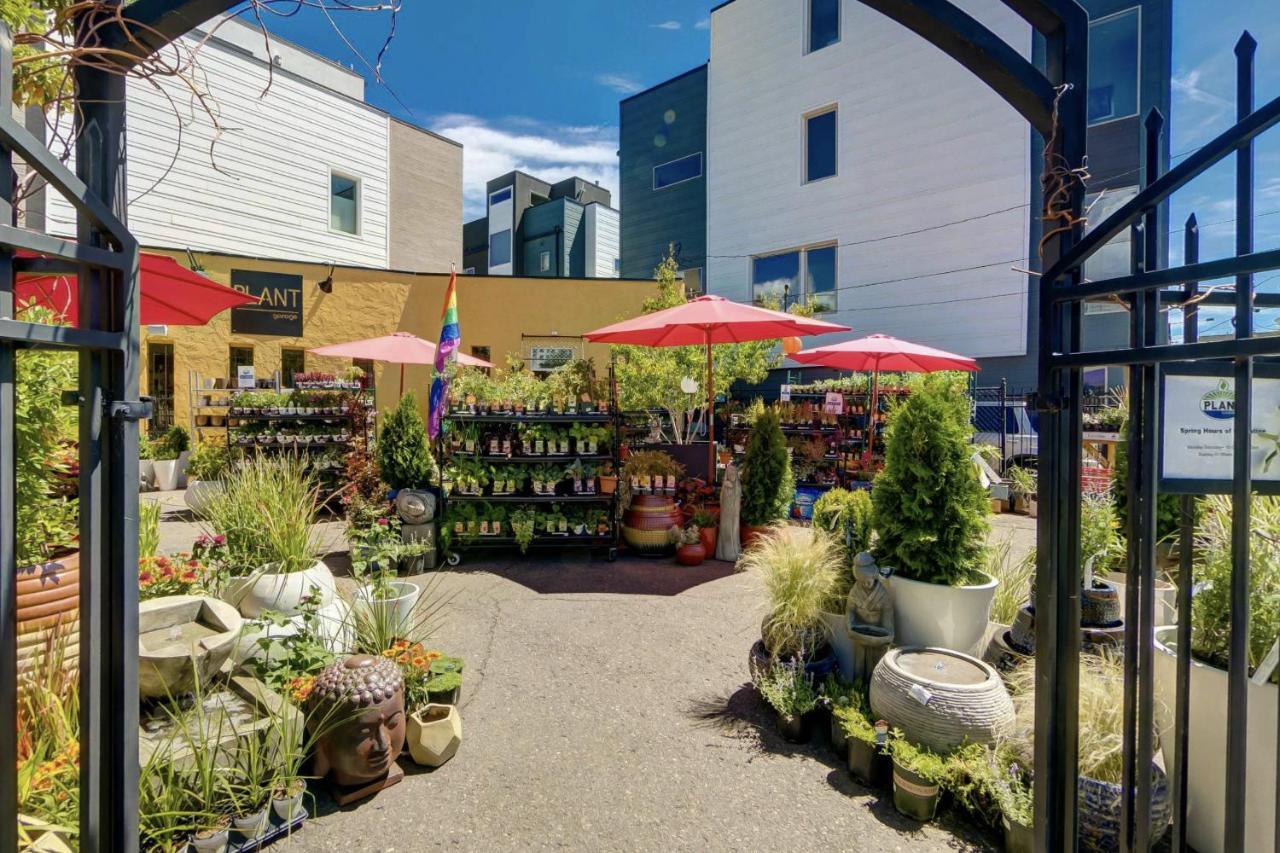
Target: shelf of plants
529, 479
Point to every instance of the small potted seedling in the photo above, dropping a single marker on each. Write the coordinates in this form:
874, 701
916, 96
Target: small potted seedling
788, 690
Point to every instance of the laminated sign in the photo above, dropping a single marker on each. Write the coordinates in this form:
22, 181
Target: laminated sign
834, 404
1198, 424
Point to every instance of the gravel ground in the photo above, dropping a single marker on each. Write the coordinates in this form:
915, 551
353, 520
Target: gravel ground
608, 707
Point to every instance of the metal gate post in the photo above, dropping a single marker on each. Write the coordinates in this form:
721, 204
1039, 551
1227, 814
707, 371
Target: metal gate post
8, 496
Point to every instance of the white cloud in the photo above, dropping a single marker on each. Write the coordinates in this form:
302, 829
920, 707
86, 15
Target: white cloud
620, 83
704, 24
546, 151
667, 25
1188, 85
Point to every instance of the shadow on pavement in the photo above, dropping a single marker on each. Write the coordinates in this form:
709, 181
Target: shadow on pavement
580, 572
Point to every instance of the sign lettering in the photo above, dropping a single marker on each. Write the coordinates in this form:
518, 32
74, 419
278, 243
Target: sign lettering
279, 308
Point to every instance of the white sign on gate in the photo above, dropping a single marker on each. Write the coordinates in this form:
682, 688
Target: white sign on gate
1198, 437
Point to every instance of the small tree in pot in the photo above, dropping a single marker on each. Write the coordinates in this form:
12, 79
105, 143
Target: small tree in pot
930, 516
403, 458
767, 482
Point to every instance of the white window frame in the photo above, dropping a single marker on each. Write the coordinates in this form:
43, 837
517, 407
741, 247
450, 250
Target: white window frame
804, 142
808, 26
701, 164
1137, 68
359, 184
803, 251
544, 260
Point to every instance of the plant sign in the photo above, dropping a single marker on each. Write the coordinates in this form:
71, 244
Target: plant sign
279, 307
1197, 446
834, 404
244, 376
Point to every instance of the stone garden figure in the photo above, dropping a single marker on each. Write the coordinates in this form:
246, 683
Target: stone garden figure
728, 546
360, 701
870, 611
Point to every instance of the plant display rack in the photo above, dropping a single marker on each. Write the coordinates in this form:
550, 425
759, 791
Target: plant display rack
498, 461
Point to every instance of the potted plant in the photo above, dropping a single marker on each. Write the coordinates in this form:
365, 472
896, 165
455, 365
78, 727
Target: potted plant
146, 462
650, 516
251, 794
1210, 659
917, 775
1010, 787
522, 524
767, 484
443, 687
171, 454
403, 458
789, 691
1022, 488
708, 526
690, 551
608, 479
380, 591
930, 517
205, 468
866, 741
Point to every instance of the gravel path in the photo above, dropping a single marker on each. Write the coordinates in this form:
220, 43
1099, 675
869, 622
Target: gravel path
607, 707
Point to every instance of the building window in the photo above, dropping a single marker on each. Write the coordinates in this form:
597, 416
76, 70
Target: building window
820, 144
805, 275
344, 203
469, 271
238, 357
824, 24
693, 282
1113, 67
677, 171
544, 261
366, 366
500, 248
500, 196
483, 353
292, 361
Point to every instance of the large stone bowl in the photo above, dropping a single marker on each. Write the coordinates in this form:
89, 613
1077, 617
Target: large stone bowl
183, 640
941, 698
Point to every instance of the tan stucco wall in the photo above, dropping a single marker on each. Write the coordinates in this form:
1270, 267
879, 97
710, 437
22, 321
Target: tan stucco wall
493, 311
425, 229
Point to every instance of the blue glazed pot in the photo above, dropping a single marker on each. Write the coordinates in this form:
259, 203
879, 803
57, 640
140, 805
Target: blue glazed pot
1099, 808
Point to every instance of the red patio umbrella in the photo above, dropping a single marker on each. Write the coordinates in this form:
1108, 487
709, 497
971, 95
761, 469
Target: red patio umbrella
171, 294
882, 352
397, 348
705, 321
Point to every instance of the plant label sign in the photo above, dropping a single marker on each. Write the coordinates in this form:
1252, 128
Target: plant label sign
245, 377
834, 404
1197, 447
784, 394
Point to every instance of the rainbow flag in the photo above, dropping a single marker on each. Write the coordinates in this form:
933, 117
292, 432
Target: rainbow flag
446, 350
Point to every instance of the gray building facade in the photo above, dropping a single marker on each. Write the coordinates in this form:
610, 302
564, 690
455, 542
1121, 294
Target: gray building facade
663, 165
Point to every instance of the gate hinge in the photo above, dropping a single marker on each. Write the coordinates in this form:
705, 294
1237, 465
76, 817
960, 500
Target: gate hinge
1047, 403
129, 410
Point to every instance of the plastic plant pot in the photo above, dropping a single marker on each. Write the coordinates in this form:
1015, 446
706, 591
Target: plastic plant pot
867, 763
794, 728
913, 795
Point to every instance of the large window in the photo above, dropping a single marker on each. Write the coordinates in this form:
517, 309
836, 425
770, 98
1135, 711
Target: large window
677, 171
1113, 67
500, 248
344, 203
799, 275
238, 357
820, 144
292, 361
500, 196
824, 24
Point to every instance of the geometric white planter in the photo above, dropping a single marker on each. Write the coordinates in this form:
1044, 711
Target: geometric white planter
1207, 749
171, 474
200, 492
282, 593
948, 617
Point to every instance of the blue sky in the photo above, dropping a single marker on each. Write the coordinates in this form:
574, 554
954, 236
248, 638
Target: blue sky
535, 84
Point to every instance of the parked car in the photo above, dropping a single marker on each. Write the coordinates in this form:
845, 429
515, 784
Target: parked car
1021, 433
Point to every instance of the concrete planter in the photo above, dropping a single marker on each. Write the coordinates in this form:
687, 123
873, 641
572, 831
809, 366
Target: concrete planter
836, 626
1207, 748
183, 640
949, 617
434, 734
200, 492
282, 593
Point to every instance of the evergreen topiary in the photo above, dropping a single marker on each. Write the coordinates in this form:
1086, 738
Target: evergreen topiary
839, 511
929, 506
403, 458
767, 483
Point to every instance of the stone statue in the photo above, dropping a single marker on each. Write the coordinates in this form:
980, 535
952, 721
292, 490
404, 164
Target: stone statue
870, 611
728, 546
359, 702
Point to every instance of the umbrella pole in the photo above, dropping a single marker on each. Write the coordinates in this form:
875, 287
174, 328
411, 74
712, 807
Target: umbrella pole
402, 380
711, 416
873, 413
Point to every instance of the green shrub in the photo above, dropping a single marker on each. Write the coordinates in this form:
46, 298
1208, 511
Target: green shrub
840, 512
172, 444
767, 483
403, 458
930, 510
207, 462
801, 576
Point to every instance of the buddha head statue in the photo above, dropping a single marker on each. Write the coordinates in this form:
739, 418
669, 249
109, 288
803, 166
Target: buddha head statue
358, 703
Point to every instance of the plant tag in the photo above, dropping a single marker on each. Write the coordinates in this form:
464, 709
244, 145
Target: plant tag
920, 694
1263, 673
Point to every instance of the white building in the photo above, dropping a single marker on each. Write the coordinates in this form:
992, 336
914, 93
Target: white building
300, 169
831, 129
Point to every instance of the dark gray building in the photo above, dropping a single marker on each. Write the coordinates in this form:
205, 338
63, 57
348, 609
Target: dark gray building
536, 228
662, 177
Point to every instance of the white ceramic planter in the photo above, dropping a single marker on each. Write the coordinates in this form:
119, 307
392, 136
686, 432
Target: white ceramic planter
171, 474
200, 492
398, 609
948, 617
1166, 597
146, 473
836, 627
1207, 749
282, 593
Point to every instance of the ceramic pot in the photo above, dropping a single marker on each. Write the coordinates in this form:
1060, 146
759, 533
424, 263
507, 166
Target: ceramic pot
433, 734
1099, 605
913, 795
283, 593
445, 697
1018, 837
146, 473
646, 523
1099, 812
396, 610
200, 492
289, 808
48, 603
171, 474
691, 555
608, 484
867, 763
252, 826
214, 843
794, 728
748, 533
1207, 748
949, 617
709, 536
1166, 597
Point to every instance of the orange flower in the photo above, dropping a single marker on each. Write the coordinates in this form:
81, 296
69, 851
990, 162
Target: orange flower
434, 655
404, 657
145, 579
400, 644
189, 576
388, 653
421, 662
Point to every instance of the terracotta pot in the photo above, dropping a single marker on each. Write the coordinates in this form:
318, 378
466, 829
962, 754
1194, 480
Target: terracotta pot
748, 533
691, 555
646, 522
709, 535
608, 484
48, 602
